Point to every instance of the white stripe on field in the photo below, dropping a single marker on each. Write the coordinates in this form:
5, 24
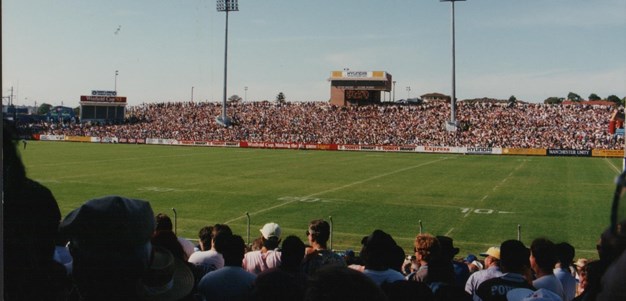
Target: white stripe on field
612, 165
339, 188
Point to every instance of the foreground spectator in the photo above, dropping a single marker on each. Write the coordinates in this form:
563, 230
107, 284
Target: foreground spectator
318, 255
514, 264
113, 256
212, 259
340, 283
434, 270
232, 282
543, 258
377, 254
31, 217
461, 270
565, 255
164, 237
492, 270
287, 282
164, 224
205, 238
267, 257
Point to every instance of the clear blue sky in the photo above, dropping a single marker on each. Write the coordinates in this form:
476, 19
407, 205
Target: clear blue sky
57, 50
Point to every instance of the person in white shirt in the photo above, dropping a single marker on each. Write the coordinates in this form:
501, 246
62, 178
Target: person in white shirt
492, 270
565, 253
267, 257
542, 261
211, 259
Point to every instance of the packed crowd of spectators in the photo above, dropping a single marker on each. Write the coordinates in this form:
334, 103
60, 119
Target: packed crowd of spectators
481, 124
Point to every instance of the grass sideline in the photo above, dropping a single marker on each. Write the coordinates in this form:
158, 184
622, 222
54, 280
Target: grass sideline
476, 200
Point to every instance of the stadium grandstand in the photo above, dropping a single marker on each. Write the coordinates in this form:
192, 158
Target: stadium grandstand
483, 124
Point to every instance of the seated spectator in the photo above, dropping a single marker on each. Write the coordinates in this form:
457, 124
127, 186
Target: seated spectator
492, 265
579, 264
164, 224
473, 264
339, 283
426, 249
317, 254
543, 258
205, 237
212, 259
113, 256
166, 239
524, 294
514, 264
267, 257
590, 282
62, 253
434, 270
377, 254
232, 282
461, 270
407, 291
565, 256
287, 282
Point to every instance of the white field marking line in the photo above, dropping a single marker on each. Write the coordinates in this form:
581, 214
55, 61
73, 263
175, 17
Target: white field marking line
338, 188
612, 165
449, 231
497, 186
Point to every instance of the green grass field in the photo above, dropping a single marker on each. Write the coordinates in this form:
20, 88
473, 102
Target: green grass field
477, 200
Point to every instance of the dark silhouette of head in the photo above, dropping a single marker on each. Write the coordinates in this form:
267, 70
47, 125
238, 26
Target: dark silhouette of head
319, 230
292, 253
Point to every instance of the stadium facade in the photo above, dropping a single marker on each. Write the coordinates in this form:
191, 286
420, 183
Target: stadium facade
353, 88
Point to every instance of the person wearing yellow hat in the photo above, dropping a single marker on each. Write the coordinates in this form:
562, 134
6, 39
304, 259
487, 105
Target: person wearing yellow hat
491, 270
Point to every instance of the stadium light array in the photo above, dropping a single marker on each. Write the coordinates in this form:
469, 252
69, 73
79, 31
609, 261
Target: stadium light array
452, 124
225, 6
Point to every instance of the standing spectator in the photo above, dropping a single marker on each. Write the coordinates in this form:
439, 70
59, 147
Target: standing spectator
377, 254
212, 259
565, 254
543, 258
232, 282
317, 254
514, 264
492, 270
267, 257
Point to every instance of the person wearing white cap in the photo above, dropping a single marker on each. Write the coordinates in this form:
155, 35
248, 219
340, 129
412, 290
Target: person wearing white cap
268, 257
492, 270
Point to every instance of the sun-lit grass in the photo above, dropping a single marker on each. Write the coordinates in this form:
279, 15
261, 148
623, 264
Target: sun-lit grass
477, 200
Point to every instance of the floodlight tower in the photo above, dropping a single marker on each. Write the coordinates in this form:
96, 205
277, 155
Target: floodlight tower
115, 86
452, 124
225, 6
